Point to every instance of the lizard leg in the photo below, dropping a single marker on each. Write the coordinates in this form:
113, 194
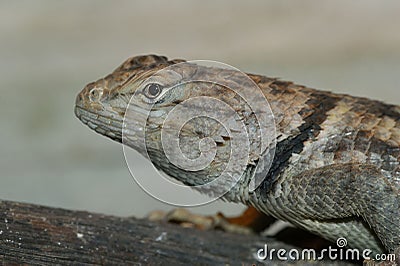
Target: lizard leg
355, 201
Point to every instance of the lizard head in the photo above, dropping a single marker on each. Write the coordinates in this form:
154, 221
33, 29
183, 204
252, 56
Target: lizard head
102, 104
187, 118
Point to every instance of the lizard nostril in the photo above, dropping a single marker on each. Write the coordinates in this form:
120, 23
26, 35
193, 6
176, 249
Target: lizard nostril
95, 94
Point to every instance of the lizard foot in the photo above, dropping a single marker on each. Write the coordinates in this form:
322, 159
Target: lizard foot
251, 221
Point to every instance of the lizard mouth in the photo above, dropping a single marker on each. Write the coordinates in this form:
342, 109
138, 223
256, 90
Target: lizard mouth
104, 125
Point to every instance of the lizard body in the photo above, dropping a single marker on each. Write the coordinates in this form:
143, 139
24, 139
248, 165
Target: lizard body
336, 169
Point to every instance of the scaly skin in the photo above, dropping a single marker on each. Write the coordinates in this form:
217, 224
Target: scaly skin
336, 170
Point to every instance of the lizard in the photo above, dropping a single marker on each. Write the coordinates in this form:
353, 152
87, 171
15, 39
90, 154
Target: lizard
336, 167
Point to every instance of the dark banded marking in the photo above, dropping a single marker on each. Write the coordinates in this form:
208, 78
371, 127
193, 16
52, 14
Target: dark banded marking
319, 104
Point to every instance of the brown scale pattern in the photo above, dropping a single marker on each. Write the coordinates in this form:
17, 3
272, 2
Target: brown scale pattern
336, 171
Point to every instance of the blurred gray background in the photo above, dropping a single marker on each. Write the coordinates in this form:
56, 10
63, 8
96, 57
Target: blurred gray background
50, 49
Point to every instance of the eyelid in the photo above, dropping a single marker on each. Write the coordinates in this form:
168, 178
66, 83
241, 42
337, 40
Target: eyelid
146, 99
153, 83
163, 87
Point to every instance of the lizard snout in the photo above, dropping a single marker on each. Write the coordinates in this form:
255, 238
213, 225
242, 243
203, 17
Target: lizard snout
90, 98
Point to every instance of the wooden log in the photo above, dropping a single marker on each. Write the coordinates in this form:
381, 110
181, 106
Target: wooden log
32, 234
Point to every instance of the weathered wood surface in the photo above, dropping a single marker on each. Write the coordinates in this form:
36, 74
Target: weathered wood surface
32, 234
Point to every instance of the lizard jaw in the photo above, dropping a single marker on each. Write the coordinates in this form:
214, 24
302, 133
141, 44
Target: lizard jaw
103, 125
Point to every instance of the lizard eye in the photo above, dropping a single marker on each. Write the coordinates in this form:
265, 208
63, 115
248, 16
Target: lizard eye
152, 90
